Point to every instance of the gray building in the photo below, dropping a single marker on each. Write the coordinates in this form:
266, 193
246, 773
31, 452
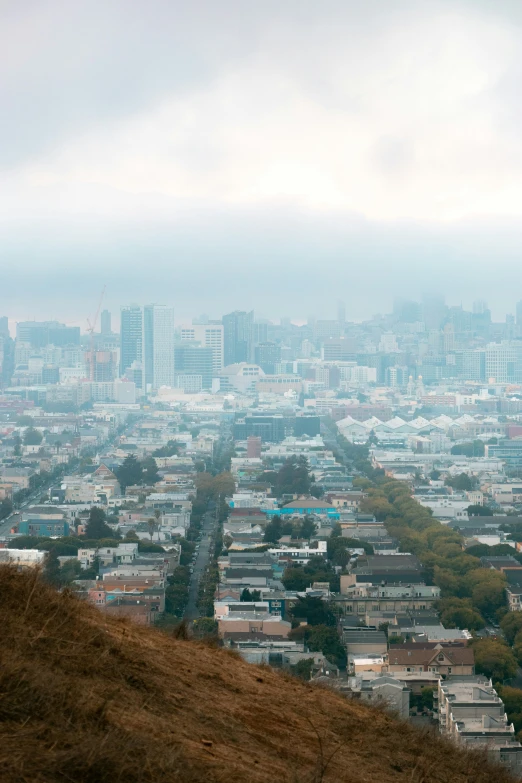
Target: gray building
131, 335
238, 328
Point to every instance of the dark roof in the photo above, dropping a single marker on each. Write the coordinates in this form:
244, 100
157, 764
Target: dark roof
238, 573
400, 562
416, 654
513, 576
481, 522
257, 558
388, 577
307, 503
427, 645
362, 635
505, 561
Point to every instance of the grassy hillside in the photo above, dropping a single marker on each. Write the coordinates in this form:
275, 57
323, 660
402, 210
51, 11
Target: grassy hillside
86, 699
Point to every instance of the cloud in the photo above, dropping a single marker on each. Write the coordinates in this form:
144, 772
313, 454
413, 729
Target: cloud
243, 141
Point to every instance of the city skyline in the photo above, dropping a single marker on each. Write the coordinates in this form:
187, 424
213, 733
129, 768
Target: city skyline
183, 318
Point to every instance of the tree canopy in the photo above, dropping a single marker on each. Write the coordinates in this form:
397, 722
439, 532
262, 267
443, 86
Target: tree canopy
97, 527
130, 472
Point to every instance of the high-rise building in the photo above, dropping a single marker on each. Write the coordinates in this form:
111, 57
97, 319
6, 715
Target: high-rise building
105, 321
434, 310
101, 367
341, 313
339, 349
237, 329
131, 337
267, 355
41, 333
471, 364
209, 335
480, 306
158, 346
191, 359
504, 362
324, 330
259, 334
4, 326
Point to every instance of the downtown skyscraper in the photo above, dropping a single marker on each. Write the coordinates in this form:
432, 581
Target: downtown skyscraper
158, 346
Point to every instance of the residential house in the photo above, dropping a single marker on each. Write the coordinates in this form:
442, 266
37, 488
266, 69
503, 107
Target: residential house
440, 659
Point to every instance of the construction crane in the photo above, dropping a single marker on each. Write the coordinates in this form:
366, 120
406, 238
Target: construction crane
90, 328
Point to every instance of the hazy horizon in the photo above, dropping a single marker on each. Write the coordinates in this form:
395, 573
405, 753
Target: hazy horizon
278, 157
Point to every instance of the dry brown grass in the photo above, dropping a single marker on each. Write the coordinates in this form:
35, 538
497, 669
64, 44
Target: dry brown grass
87, 699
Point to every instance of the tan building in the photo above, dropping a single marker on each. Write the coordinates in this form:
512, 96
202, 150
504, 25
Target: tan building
254, 623
438, 659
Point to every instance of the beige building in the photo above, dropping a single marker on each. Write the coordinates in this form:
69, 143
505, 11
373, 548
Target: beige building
254, 623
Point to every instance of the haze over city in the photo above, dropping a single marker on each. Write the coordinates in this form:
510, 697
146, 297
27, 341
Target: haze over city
272, 154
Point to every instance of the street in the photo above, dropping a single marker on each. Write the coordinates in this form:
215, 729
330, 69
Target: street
203, 558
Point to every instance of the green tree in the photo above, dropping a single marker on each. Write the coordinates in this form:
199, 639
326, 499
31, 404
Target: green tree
341, 557
474, 449
152, 525
6, 508
296, 578
97, 527
462, 482
511, 624
479, 511
494, 659
17, 442
512, 698
427, 698
308, 527
459, 613
150, 473
187, 550
170, 450
130, 472
326, 639
205, 628
273, 531
293, 478
314, 610
303, 668
32, 437
52, 568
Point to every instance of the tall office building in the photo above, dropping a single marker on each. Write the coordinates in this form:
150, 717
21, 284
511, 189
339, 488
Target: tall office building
41, 333
196, 360
131, 337
480, 306
4, 326
237, 329
434, 310
341, 313
105, 322
158, 346
209, 335
504, 362
267, 356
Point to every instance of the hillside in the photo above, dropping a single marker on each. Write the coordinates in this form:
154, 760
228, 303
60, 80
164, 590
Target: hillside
86, 699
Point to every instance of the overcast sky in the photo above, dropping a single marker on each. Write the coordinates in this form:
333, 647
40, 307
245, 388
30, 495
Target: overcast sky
275, 155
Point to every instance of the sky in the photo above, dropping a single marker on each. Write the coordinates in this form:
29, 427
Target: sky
275, 156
